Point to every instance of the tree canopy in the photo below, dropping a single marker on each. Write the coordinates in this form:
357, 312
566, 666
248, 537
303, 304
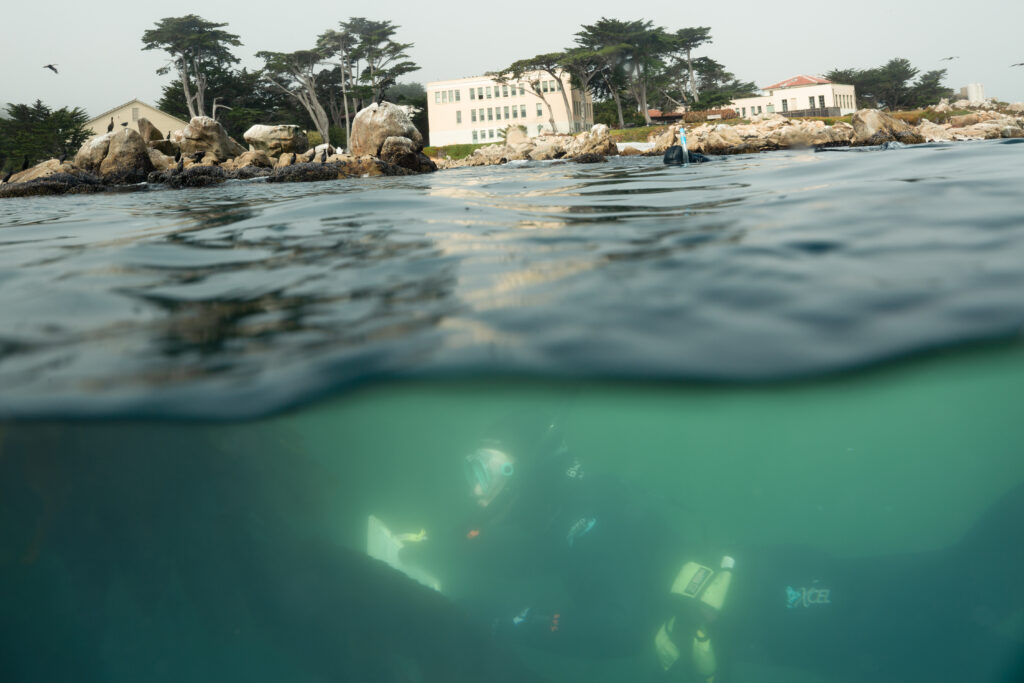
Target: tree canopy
889, 86
196, 47
37, 132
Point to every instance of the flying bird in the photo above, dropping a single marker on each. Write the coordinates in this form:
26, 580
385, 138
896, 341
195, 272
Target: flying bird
1018, 64
51, 67
946, 59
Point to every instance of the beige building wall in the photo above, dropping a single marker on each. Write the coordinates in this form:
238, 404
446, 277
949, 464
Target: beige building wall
797, 98
477, 109
130, 113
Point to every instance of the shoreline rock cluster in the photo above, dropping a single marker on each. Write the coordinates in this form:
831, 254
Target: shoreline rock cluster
868, 127
384, 142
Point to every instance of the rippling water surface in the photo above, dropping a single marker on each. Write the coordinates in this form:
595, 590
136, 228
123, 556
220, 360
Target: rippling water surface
810, 361
749, 267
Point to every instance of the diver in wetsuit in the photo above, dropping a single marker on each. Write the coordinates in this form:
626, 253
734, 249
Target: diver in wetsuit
630, 575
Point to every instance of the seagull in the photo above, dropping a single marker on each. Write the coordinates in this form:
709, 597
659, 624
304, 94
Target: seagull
1018, 64
946, 59
51, 67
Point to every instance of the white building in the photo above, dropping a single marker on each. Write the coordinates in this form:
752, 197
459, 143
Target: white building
130, 112
973, 93
800, 96
478, 109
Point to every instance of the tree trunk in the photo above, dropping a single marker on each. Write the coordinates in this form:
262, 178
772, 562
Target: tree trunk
693, 81
183, 75
565, 99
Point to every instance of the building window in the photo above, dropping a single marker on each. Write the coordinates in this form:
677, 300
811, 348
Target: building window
458, 117
490, 133
458, 98
515, 112
522, 110
540, 110
497, 113
474, 136
444, 97
785, 105
504, 91
472, 93
472, 114
506, 113
743, 113
811, 99
522, 89
490, 113
480, 93
488, 92
437, 97
135, 113
821, 101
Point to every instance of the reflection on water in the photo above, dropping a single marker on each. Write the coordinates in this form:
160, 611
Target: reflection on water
244, 298
166, 550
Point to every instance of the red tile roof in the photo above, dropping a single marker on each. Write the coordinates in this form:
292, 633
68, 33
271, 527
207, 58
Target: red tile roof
797, 81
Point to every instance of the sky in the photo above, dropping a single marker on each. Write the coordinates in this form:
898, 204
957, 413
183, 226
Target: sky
99, 54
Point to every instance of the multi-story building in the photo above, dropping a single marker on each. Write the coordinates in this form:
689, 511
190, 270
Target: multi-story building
479, 108
800, 96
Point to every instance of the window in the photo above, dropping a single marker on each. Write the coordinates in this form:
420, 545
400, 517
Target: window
522, 89
540, 110
743, 113
522, 110
506, 113
488, 92
504, 91
490, 113
473, 115
437, 97
444, 97
490, 133
458, 98
785, 105
821, 101
515, 112
480, 93
540, 129
135, 113
474, 136
497, 113
472, 93
458, 117
811, 105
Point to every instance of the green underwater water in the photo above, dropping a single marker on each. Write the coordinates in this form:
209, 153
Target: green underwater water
902, 458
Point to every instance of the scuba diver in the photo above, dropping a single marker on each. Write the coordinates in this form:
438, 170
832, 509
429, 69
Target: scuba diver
589, 565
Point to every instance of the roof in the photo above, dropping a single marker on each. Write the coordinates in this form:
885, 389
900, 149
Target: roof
132, 101
797, 81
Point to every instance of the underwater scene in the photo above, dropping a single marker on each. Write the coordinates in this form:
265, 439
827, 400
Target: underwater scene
754, 420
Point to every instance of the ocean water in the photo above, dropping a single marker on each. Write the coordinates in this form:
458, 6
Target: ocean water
204, 395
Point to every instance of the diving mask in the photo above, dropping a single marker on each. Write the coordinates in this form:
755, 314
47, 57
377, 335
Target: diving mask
488, 470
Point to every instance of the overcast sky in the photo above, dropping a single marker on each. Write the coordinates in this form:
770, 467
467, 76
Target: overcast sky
98, 51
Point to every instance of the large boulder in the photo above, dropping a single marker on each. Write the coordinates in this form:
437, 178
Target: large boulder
276, 140
256, 159
148, 131
127, 158
45, 170
203, 134
401, 152
161, 161
874, 127
933, 132
378, 122
92, 152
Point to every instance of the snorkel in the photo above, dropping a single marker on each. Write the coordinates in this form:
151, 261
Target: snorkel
682, 142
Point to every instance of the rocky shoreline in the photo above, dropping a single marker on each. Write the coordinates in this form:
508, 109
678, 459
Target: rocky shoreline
384, 142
